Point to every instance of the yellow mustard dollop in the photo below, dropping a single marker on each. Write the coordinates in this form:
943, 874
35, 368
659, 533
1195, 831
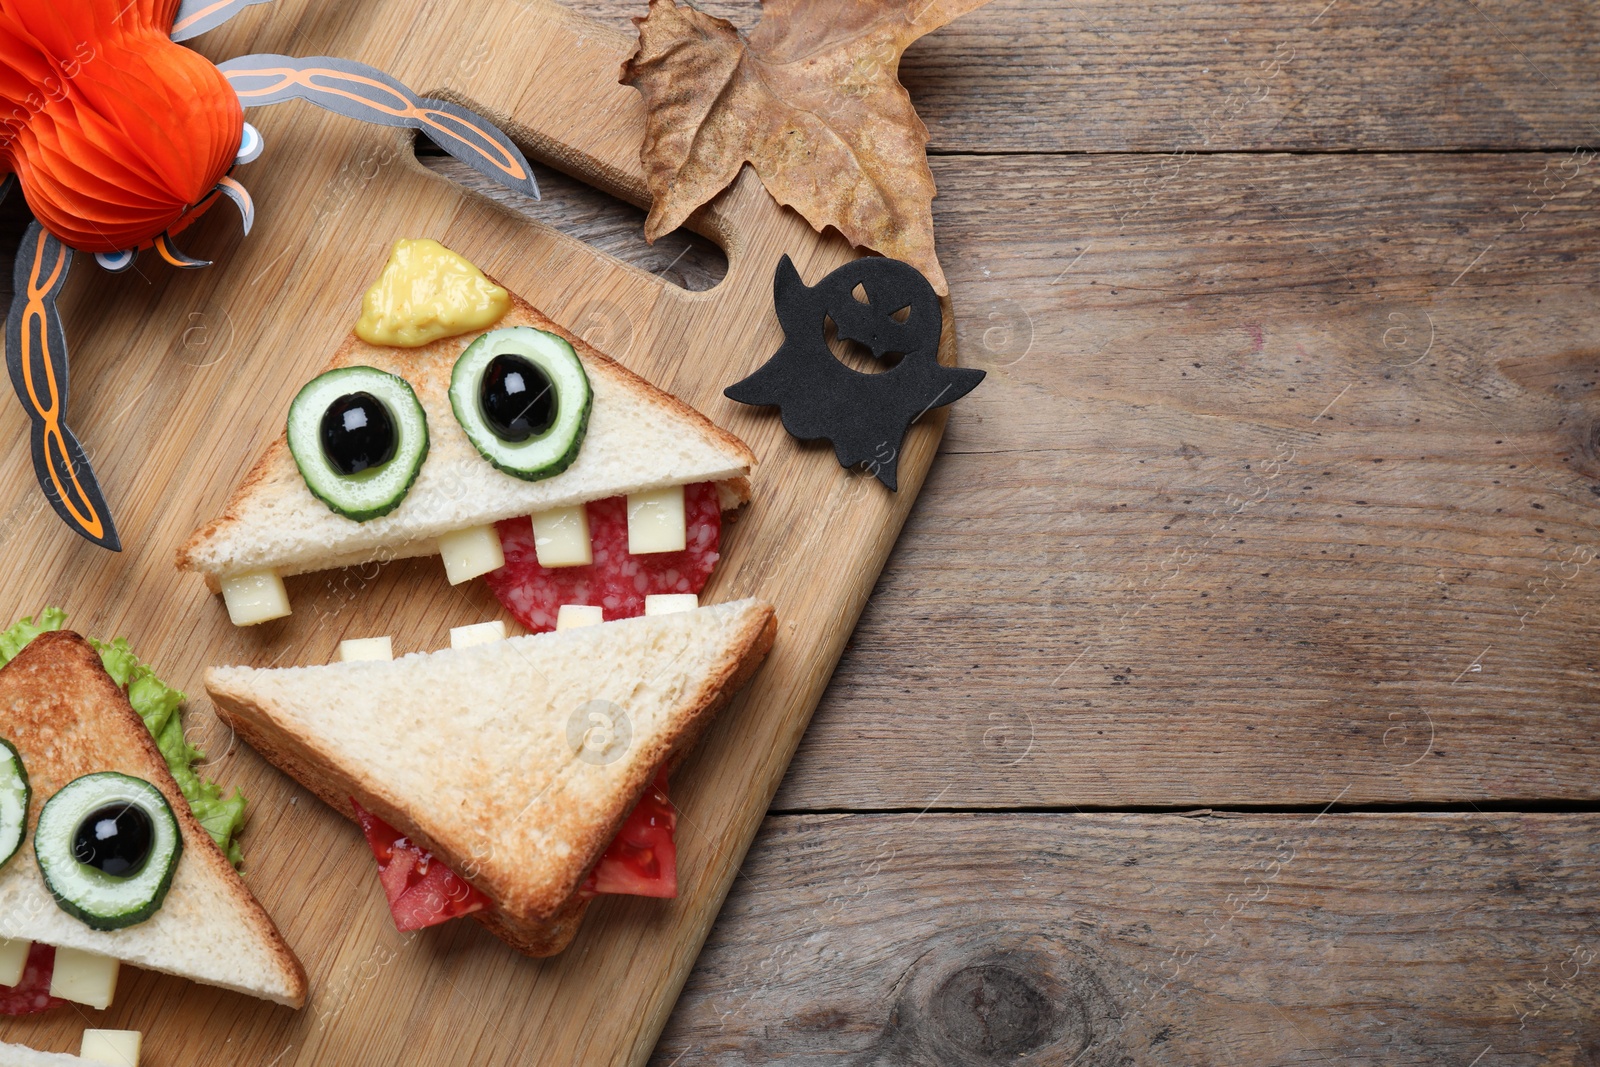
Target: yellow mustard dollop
427, 292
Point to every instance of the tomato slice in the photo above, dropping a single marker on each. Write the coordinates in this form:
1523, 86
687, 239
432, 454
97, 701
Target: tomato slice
32, 994
422, 892
643, 858
642, 861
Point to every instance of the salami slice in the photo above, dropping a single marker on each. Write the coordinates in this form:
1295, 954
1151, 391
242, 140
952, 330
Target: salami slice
32, 994
616, 581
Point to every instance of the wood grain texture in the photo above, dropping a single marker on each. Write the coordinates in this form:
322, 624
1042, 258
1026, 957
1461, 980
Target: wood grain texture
179, 380
1282, 488
969, 940
1229, 75
1252, 630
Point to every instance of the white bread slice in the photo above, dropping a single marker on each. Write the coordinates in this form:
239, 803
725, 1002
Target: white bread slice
23, 1056
67, 718
471, 751
639, 438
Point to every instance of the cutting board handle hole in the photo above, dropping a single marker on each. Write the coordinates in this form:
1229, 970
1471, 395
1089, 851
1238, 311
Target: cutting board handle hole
610, 226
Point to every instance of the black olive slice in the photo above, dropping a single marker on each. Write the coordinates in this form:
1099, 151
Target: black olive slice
357, 433
115, 840
516, 398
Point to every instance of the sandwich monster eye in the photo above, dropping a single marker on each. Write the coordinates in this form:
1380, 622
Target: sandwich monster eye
357, 433
14, 796
359, 436
107, 845
523, 398
516, 398
115, 840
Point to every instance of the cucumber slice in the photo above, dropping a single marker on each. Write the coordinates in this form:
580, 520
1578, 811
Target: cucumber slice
99, 900
14, 796
548, 449
375, 490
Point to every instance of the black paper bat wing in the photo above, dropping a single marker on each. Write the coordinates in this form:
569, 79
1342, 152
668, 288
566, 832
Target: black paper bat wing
197, 16
358, 91
36, 356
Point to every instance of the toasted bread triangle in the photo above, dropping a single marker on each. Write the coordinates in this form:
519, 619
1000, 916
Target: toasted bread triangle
639, 438
68, 718
479, 753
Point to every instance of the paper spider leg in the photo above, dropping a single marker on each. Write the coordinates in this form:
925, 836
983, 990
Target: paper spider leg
241, 199
175, 256
358, 91
36, 356
197, 16
6, 186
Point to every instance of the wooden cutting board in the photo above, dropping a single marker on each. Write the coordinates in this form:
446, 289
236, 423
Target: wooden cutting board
179, 380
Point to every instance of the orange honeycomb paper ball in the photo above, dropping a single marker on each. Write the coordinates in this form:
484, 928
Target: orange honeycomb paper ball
115, 133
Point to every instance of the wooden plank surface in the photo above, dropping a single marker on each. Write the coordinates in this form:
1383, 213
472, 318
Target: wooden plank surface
1152, 940
1181, 76
1281, 488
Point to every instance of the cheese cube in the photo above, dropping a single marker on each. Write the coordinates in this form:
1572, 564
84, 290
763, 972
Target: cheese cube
484, 633
471, 552
670, 603
84, 977
366, 648
561, 537
656, 521
13, 960
576, 616
255, 597
120, 1048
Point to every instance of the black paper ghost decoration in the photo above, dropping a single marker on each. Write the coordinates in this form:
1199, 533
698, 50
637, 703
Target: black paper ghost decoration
865, 416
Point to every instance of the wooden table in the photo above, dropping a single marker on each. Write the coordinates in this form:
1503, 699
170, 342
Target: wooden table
1231, 695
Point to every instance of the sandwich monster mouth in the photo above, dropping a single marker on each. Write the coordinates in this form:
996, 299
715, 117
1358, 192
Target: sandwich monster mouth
458, 421
600, 560
636, 558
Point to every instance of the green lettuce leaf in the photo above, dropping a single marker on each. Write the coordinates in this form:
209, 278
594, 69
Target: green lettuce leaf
16, 639
158, 705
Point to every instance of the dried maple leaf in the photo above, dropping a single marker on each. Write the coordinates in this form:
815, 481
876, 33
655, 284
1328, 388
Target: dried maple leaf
811, 99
